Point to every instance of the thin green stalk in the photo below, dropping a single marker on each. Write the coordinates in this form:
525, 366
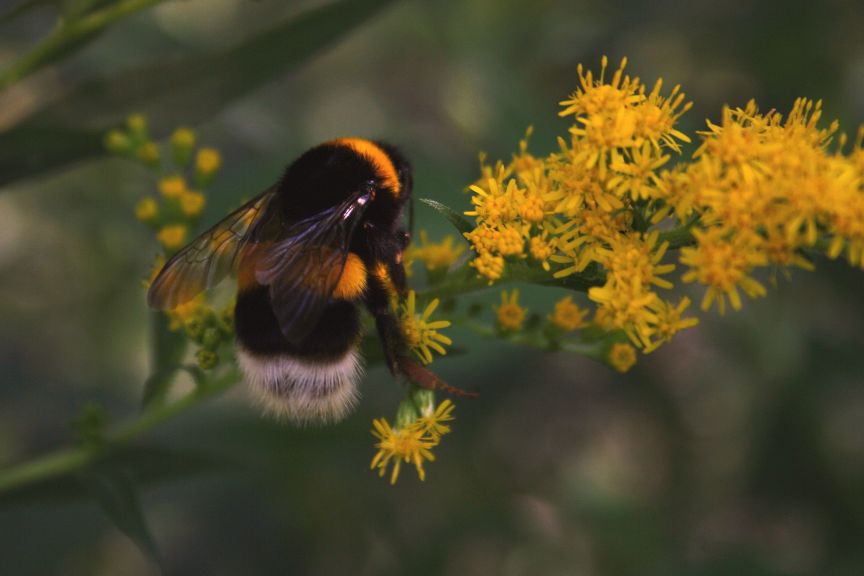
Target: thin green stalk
66, 34
65, 462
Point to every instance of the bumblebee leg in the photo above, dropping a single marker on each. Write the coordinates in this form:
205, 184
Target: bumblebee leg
389, 331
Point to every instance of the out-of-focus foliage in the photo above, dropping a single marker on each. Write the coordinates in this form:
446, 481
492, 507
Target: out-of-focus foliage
734, 448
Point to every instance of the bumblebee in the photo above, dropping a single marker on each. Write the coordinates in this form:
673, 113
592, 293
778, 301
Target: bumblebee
307, 252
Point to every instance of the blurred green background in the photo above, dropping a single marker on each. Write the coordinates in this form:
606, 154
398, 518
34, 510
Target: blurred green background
736, 449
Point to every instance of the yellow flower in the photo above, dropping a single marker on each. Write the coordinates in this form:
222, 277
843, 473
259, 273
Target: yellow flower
422, 334
510, 314
723, 263
207, 162
567, 315
435, 256
183, 138
180, 316
117, 142
137, 124
191, 203
410, 444
172, 186
432, 423
146, 210
182, 144
148, 153
670, 321
622, 356
172, 237
488, 265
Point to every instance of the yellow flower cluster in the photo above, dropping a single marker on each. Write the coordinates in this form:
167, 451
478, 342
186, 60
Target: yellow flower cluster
179, 207
608, 205
421, 333
412, 442
764, 187
172, 215
591, 203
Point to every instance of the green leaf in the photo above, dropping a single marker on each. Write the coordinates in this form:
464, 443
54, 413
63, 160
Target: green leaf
462, 224
170, 93
115, 492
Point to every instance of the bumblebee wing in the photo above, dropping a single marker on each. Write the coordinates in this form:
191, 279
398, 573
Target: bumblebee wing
205, 261
303, 268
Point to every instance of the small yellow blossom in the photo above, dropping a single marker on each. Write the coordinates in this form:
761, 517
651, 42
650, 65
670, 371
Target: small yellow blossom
567, 315
172, 237
488, 265
172, 186
180, 316
622, 356
411, 443
146, 210
510, 314
723, 263
432, 422
117, 142
148, 153
435, 256
670, 321
137, 124
420, 333
183, 138
207, 162
191, 203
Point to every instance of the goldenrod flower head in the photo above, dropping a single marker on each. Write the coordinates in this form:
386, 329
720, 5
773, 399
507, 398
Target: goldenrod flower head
146, 210
432, 422
117, 142
192, 203
183, 138
670, 321
173, 237
622, 356
723, 263
148, 153
488, 265
411, 442
510, 315
420, 332
172, 186
207, 162
567, 315
435, 255
137, 124
182, 144
180, 316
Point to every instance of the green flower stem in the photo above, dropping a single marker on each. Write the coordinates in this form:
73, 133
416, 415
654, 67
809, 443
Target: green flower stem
67, 34
70, 460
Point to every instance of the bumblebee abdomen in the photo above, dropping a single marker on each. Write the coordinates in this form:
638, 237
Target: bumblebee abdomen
314, 380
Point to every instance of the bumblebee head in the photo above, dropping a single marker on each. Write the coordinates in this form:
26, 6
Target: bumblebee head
328, 174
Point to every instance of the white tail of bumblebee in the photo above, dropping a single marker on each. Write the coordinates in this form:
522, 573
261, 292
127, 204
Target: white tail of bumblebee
302, 390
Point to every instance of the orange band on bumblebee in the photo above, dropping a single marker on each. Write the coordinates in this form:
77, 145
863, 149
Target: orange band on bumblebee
384, 166
352, 283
